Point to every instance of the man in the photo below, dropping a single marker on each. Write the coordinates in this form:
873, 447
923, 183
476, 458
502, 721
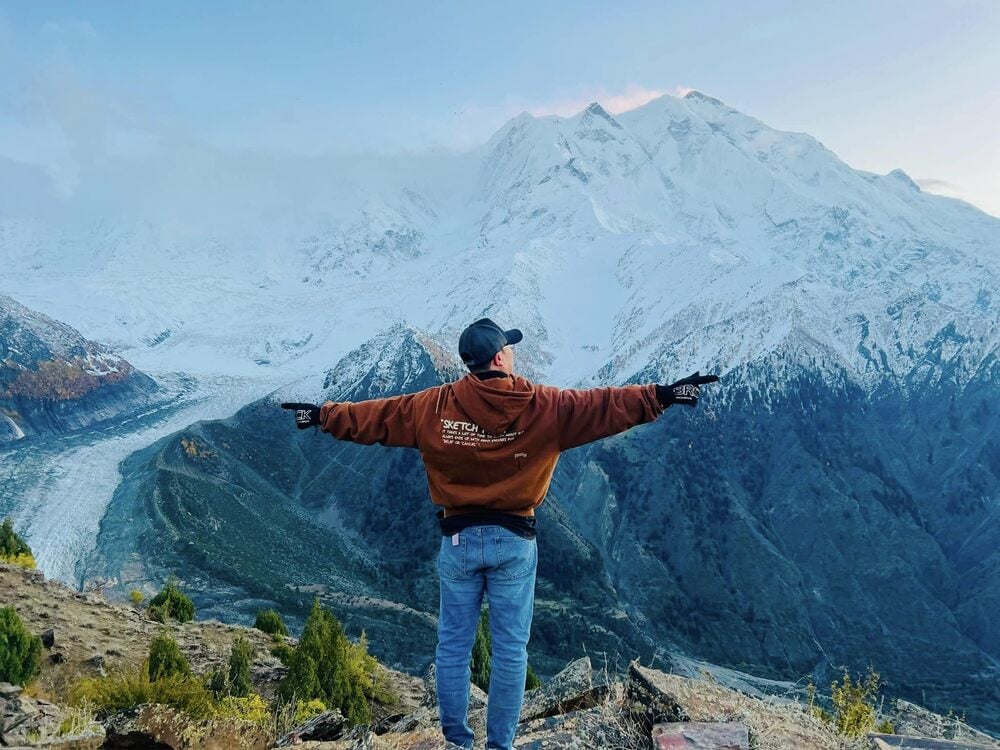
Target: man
490, 442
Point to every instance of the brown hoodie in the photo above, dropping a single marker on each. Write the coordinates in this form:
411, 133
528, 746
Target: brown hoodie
491, 444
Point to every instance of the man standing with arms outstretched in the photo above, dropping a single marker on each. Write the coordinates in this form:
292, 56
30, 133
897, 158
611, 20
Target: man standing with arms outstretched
490, 442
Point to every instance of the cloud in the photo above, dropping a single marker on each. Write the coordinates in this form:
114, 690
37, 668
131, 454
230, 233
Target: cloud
934, 185
614, 102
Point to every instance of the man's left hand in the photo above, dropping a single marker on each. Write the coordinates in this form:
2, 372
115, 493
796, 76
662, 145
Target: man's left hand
684, 391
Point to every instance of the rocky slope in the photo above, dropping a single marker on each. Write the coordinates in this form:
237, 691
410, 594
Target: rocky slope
579, 708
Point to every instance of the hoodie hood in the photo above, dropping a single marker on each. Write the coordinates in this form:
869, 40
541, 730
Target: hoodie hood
495, 403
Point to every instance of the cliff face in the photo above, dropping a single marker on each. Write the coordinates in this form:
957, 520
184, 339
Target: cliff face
54, 380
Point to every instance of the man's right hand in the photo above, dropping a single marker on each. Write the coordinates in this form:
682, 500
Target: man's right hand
306, 415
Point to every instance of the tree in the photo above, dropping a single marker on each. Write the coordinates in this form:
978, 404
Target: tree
270, 622
166, 659
20, 651
13, 549
320, 668
240, 659
171, 604
481, 650
482, 661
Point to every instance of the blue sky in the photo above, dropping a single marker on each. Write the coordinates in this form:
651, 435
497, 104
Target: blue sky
883, 84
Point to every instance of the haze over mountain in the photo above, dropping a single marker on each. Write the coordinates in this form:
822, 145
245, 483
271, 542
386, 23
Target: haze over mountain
834, 501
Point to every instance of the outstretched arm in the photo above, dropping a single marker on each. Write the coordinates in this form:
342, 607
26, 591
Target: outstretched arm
595, 413
588, 415
389, 421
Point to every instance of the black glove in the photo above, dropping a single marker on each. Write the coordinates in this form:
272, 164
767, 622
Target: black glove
684, 391
306, 415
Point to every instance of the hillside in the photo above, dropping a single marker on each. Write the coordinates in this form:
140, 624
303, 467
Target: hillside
578, 708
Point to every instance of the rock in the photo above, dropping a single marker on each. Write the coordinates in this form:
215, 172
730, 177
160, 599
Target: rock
48, 638
125, 731
911, 719
887, 741
570, 690
324, 727
647, 700
57, 658
477, 698
8, 691
698, 735
96, 661
579, 730
25, 721
422, 718
163, 728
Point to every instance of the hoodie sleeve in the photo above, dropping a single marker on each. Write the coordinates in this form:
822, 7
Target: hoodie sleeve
389, 421
588, 415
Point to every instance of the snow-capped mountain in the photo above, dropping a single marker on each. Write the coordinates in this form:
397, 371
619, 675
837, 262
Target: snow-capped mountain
679, 235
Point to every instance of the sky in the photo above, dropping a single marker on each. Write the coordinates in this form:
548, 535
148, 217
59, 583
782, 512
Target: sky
912, 85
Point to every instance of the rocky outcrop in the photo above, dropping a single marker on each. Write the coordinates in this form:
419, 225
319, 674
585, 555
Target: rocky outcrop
898, 742
162, 728
26, 721
53, 380
910, 719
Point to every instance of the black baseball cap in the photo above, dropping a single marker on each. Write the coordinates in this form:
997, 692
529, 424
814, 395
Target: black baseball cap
484, 338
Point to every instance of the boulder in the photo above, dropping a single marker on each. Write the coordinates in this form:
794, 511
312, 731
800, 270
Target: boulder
324, 727
900, 742
422, 718
8, 691
910, 719
572, 689
699, 735
25, 719
156, 727
477, 698
578, 730
648, 701
48, 638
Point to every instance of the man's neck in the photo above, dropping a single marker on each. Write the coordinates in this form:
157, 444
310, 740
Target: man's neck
490, 374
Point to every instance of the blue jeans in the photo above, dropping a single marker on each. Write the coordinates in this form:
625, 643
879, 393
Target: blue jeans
496, 561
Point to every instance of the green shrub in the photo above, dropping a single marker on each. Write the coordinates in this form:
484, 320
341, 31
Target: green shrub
13, 549
327, 666
283, 652
531, 680
124, 690
240, 659
305, 711
217, 683
166, 659
20, 651
270, 622
136, 597
854, 704
171, 604
250, 708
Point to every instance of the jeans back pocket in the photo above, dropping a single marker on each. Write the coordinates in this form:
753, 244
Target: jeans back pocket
451, 558
516, 555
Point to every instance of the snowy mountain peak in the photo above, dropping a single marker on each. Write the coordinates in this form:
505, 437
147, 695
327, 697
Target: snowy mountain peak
673, 235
